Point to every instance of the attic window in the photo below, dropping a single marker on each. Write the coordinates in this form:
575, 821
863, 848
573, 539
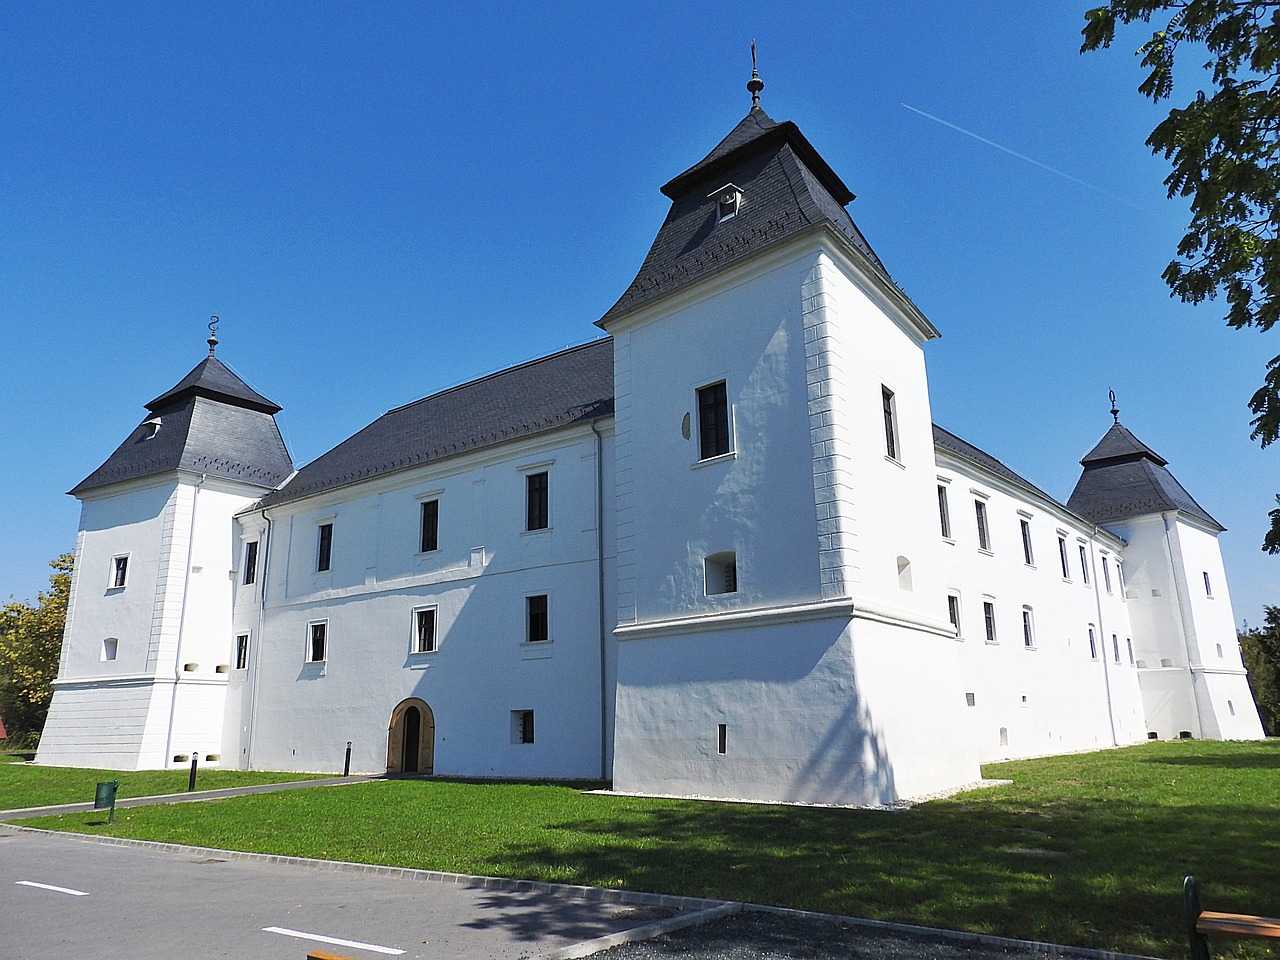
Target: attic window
150, 428
728, 201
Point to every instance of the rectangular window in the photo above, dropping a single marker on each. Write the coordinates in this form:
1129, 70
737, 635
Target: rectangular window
242, 651
720, 573
944, 513
522, 726
424, 630
1028, 631
1093, 644
250, 562
537, 514
109, 648
317, 640
1128, 642
1084, 566
890, 423
722, 738
1208, 590
980, 513
1115, 647
713, 421
324, 552
1106, 574
989, 619
429, 526
953, 612
120, 572
1027, 555
1062, 555
538, 627
1120, 576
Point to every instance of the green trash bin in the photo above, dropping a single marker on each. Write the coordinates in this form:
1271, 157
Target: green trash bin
104, 798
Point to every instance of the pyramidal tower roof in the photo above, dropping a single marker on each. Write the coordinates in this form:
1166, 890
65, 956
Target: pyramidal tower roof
783, 188
210, 422
1123, 478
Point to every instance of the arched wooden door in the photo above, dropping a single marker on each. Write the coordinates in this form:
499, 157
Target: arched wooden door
411, 738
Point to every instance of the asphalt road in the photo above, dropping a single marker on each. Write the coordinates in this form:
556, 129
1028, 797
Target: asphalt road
61, 898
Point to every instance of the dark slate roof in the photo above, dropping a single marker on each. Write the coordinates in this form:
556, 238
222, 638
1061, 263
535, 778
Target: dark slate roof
787, 188
1124, 478
201, 435
948, 441
212, 378
551, 393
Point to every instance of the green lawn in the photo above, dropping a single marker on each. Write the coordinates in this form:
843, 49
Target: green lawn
1087, 850
27, 785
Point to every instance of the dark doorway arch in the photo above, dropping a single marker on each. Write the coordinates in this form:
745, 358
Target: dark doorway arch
411, 738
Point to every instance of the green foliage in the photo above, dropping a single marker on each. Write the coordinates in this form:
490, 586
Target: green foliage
30, 642
1088, 849
1223, 147
1261, 651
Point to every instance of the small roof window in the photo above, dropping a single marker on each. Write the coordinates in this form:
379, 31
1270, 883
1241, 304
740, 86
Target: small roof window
150, 428
728, 201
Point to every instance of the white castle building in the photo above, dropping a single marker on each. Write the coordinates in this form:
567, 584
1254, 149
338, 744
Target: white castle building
722, 551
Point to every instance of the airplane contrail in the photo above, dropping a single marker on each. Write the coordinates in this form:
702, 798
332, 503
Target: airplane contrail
1031, 160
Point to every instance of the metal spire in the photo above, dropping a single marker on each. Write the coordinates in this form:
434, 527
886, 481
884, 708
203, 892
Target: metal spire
1115, 411
755, 84
213, 334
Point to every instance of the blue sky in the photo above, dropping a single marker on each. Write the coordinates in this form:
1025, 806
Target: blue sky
382, 200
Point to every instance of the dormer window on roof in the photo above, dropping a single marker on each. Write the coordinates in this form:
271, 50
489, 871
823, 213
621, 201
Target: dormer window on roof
728, 201
150, 428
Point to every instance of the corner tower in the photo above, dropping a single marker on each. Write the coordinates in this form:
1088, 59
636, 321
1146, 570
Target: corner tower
143, 670
781, 624
1192, 679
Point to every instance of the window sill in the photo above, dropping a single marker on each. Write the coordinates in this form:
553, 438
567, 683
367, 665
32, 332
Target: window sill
950, 540
111, 591
423, 554
719, 458
895, 461
535, 533
985, 552
424, 653
1030, 566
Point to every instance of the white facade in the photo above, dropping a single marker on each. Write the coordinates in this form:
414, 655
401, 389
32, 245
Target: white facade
758, 572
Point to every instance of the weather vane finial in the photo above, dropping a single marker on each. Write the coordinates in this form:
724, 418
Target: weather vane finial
213, 333
755, 84
1115, 411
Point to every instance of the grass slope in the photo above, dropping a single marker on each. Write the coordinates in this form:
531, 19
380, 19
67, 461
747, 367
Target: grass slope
28, 785
1087, 850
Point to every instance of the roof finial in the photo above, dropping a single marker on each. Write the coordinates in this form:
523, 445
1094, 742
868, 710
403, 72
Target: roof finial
213, 333
755, 84
1115, 411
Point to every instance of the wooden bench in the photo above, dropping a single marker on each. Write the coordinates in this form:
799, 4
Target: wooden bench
1202, 923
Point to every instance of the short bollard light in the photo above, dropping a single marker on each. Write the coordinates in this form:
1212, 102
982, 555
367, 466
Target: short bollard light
191, 781
104, 798
346, 766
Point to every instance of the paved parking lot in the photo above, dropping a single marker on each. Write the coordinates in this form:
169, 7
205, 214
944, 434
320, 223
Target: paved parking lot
62, 897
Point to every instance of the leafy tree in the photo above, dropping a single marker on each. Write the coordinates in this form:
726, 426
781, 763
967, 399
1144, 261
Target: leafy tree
1261, 651
30, 642
1223, 147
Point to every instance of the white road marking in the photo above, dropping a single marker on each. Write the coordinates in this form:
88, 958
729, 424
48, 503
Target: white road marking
336, 941
48, 886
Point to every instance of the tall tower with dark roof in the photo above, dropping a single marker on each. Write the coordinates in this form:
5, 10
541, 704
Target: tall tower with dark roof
1190, 672
770, 394
143, 671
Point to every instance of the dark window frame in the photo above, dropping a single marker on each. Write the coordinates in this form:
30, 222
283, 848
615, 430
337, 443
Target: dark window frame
250, 563
426, 616
944, 511
429, 526
984, 530
714, 436
1028, 554
537, 618
242, 651
889, 408
318, 641
537, 501
324, 548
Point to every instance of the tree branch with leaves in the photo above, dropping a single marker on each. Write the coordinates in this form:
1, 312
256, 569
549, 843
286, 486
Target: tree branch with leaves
1223, 148
30, 644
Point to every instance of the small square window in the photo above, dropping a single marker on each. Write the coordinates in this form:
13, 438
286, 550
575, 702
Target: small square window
109, 648
324, 549
980, 515
424, 630
713, 420
537, 619
429, 526
522, 726
242, 651
317, 641
537, 504
250, 562
720, 571
944, 512
970, 700
120, 572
